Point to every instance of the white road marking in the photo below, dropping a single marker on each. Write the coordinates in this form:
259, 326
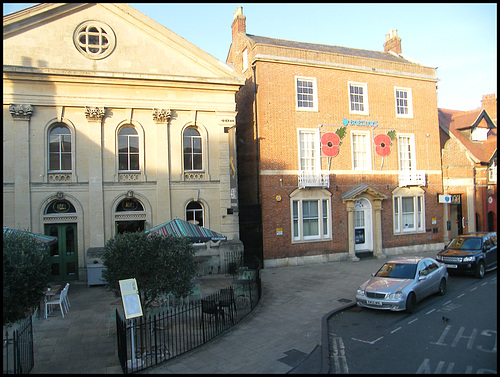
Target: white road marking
413, 320
393, 331
366, 341
338, 355
463, 294
430, 311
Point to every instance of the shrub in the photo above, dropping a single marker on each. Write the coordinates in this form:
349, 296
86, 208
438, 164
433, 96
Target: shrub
26, 273
159, 265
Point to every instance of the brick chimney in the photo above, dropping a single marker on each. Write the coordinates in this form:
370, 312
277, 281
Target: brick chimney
392, 42
238, 25
489, 103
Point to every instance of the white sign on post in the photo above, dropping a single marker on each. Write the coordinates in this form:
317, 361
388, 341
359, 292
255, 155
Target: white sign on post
130, 298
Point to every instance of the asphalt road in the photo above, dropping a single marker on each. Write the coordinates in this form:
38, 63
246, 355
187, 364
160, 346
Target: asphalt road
455, 333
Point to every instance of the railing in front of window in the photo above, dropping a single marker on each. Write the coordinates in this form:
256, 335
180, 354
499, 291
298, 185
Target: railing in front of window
314, 179
412, 178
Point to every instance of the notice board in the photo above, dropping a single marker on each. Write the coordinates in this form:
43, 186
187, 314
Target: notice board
130, 298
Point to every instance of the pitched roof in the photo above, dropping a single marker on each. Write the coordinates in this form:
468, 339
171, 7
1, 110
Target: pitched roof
392, 57
459, 124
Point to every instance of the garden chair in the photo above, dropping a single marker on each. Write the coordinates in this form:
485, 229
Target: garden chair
57, 301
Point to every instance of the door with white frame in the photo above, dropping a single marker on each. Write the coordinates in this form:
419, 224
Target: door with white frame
363, 225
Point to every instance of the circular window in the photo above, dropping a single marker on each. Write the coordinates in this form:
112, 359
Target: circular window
94, 39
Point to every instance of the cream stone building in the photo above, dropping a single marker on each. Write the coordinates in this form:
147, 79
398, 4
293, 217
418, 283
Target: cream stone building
112, 122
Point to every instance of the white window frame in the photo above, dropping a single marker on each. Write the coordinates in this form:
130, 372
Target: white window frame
191, 214
191, 139
245, 60
314, 94
418, 213
409, 104
312, 153
324, 217
366, 110
368, 152
60, 153
403, 152
128, 138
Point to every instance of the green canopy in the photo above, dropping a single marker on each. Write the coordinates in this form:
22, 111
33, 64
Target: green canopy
48, 240
181, 228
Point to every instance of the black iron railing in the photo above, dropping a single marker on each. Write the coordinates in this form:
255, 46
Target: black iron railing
18, 355
150, 340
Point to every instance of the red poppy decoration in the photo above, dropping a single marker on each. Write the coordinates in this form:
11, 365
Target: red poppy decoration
382, 145
330, 142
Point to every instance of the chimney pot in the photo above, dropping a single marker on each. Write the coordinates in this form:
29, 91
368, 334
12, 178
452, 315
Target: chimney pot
393, 42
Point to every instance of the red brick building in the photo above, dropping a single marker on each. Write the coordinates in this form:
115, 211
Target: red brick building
469, 160
338, 150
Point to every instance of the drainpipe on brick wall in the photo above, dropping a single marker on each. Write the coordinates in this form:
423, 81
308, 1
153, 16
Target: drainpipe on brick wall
257, 143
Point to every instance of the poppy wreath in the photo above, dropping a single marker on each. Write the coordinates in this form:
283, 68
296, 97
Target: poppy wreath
330, 142
383, 143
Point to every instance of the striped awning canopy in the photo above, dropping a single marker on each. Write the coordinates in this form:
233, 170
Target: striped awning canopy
39, 237
181, 228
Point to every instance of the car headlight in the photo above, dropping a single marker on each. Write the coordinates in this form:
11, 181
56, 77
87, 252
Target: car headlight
396, 295
469, 259
360, 292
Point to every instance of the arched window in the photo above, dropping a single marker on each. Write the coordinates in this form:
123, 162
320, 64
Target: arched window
129, 222
194, 213
128, 149
59, 148
193, 155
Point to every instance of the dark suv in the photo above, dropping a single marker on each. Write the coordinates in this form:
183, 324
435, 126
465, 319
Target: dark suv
472, 253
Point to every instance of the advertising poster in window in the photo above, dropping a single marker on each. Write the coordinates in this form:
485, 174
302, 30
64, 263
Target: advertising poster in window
359, 235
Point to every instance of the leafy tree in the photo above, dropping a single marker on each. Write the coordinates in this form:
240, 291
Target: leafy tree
159, 265
26, 273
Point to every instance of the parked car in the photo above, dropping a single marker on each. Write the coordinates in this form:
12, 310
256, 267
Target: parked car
472, 253
402, 282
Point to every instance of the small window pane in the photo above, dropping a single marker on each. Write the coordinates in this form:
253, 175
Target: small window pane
134, 162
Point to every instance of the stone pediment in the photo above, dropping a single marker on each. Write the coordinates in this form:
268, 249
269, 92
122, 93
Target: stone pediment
108, 39
362, 189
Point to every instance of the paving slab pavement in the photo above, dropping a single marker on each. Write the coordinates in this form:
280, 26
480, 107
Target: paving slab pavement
282, 335
286, 326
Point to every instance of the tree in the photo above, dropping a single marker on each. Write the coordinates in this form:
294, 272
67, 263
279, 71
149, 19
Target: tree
159, 265
26, 273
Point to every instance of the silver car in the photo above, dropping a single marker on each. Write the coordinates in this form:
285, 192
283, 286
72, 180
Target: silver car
402, 282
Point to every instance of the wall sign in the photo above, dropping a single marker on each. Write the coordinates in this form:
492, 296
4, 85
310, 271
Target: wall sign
354, 122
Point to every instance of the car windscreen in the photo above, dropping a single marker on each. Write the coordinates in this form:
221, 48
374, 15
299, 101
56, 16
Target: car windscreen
473, 243
397, 270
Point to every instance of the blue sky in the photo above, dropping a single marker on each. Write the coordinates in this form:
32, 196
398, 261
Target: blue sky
460, 39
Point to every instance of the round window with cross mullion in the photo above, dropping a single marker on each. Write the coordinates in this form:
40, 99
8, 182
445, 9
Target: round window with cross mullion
94, 39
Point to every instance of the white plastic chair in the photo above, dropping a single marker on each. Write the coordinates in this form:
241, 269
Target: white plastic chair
66, 303
58, 301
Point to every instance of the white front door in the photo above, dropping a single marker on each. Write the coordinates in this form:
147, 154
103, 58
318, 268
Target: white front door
363, 226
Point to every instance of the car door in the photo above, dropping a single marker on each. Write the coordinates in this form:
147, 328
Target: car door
490, 250
428, 278
421, 285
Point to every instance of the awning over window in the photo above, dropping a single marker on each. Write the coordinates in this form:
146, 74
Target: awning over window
181, 228
39, 237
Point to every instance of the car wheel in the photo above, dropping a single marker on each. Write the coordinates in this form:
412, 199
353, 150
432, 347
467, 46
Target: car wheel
410, 302
442, 287
480, 270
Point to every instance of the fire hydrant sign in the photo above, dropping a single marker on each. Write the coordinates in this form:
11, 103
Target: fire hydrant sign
130, 298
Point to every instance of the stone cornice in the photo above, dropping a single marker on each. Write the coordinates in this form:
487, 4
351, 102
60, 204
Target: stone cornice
325, 64
122, 75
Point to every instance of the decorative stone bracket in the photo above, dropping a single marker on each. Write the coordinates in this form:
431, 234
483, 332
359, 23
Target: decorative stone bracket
21, 111
94, 114
161, 115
